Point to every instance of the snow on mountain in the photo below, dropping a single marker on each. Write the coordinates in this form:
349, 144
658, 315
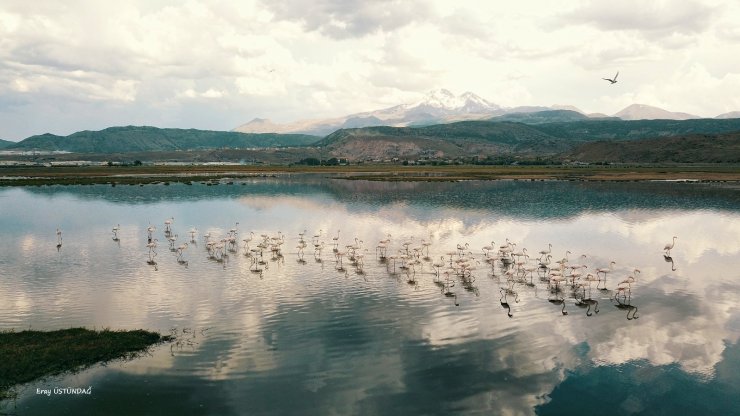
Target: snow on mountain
438, 106
442, 106
467, 102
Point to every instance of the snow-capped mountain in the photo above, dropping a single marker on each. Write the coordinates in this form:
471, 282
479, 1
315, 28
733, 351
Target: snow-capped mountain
439, 106
467, 102
442, 106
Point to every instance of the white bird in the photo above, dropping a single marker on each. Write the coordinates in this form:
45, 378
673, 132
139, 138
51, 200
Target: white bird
488, 249
168, 224
668, 247
544, 253
613, 80
180, 249
605, 270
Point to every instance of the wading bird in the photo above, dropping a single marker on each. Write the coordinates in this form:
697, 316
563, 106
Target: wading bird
668, 247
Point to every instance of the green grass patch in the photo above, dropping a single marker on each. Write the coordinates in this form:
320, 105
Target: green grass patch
29, 355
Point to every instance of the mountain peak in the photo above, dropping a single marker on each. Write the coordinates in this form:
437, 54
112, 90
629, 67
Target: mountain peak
731, 114
648, 112
466, 102
441, 98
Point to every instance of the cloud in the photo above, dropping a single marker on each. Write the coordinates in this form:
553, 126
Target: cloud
354, 18
651, 19
694, 86
163, 61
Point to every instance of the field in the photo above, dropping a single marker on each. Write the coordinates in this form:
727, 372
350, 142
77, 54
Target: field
25, 176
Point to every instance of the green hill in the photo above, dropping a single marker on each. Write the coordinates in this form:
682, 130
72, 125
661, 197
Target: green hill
541, 117
497, 137
611, 129
712, 148
143, 139
5, 143
535, 135
463, 138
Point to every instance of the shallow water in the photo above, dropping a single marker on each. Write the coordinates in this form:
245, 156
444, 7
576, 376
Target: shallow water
305, 338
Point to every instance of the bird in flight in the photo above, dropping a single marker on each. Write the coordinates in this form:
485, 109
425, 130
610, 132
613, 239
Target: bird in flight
613, 80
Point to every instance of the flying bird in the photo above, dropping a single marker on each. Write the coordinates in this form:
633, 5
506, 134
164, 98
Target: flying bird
613, 80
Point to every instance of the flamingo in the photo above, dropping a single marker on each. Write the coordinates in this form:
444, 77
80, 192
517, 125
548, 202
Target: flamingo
151, 245
115, 232
438, 265
625, 286
544, 253
168, 224
605, 271
668, 247
234, 230
149, 231
180, 249
335, 240
246, 243
488, 249
59, 238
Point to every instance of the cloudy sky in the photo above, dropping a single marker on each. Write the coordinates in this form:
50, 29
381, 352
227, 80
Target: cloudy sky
77, 65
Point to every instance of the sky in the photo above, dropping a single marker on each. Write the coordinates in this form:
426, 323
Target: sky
87, 65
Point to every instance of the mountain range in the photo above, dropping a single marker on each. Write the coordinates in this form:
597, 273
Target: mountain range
513, 139
552, 135
152, 139
441, 106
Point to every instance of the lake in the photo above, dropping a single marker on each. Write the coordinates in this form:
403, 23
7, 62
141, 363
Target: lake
296, 331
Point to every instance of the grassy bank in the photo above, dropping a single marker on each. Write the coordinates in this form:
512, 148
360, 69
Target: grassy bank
29, 355
30, 176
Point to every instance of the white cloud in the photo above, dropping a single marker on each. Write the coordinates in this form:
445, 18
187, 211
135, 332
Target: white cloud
295, 59
350, 18
651, 19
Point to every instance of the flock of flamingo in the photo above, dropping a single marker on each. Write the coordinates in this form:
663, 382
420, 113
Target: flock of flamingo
564, 279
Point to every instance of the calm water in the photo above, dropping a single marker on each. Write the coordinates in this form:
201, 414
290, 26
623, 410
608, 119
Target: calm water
303, 337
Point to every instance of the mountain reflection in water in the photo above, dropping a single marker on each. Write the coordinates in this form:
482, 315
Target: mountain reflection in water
308, 336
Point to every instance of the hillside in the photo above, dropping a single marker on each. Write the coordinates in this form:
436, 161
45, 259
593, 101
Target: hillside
648, 112
486, 138
466, 138
615, 129
143, 139
5, 143
698, 148
541, 117
536, 137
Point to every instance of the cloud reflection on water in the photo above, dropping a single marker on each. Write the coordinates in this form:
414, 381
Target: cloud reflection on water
350, 345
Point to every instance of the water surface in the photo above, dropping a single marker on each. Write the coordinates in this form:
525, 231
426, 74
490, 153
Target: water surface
303, 337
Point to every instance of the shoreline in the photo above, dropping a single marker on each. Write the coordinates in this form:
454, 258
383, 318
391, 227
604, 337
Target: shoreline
33, 355
140, 175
